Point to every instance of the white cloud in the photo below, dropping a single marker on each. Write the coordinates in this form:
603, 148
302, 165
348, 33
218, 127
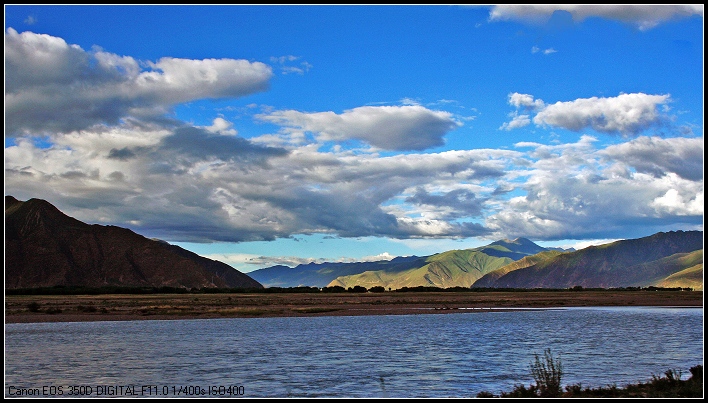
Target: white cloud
114, 158
409, 127
174, 81
675, 203
548, 51
249, 262
221, 126
283, 61
52, 86
643, 16
517, 122
625, 114
189, 184
574, 192
525, 101
658, 157
585, 244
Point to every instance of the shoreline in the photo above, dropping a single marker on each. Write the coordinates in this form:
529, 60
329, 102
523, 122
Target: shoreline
126, 307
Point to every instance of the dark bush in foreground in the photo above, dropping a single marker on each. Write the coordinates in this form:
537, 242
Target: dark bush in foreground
547, 373
669, 385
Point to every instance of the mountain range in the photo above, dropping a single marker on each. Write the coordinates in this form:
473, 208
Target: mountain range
665, 259
642, 262
406, 271
46, 248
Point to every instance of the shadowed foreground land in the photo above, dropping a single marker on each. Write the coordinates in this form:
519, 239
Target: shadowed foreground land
75, 308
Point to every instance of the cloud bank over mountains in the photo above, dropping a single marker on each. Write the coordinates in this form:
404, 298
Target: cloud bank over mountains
92, 133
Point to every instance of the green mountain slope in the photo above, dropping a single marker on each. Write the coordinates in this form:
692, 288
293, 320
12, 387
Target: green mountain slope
652, 273
691, 277
618, 264
456, 268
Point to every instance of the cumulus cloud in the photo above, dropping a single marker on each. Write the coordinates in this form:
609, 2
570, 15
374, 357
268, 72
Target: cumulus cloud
187, 184
195, 144
459, 203
191, 185
525, 101
222, 126
409, 127
53, 86
643, 16
574, 191
626, 114
516, 122
659, 157
113, 157
675, 202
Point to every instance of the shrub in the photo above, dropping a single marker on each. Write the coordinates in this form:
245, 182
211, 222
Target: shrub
485, 394
521, 391
33, 307
334, 288
547, 373
90, 308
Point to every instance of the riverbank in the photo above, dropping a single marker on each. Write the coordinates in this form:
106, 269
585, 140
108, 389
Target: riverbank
117, 307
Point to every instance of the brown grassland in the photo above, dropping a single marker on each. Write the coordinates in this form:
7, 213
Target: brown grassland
110, 307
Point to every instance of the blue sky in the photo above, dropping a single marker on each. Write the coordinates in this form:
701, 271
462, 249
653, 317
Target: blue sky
261, 135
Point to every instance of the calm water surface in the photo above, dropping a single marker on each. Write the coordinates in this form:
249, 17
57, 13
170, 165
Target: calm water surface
448, 355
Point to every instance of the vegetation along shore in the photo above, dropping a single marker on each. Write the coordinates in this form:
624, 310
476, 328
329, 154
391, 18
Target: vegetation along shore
67, 305
547, 372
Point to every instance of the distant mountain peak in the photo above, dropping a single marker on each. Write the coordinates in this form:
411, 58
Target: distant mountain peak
519, 245
518, 240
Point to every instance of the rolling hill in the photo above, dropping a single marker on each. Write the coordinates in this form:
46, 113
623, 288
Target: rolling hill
691, 277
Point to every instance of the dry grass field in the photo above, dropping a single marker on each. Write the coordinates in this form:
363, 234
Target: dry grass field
72, 308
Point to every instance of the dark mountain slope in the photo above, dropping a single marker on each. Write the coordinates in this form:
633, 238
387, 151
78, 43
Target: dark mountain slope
488, 279
44, 248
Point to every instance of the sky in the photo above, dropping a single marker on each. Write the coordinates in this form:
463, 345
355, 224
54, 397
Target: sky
267, 134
